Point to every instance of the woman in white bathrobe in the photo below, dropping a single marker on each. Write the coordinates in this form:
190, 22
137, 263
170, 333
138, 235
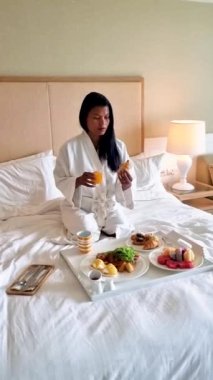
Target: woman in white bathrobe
86, 206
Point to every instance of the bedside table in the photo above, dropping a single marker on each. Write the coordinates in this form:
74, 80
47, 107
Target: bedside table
199, 197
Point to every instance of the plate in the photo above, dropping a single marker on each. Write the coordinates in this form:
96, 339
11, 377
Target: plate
139, 248
153, 256
141, 268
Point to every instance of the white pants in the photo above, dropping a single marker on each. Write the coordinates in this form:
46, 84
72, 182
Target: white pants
76, 219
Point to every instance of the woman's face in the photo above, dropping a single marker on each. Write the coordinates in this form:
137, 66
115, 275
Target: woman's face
97, 122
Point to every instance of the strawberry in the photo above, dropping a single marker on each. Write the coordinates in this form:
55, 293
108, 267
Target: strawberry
186, 265
162, 259
172, 264
182, 264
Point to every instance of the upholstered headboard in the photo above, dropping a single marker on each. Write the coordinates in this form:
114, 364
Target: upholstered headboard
203, 172
40, 114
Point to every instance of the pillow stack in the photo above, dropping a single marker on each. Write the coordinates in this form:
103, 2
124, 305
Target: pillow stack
149, 185
27, 181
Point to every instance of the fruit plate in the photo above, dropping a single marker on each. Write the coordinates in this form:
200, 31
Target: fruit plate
153, 258
141, 268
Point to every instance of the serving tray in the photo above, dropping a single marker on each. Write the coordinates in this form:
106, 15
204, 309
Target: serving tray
154, 275
30, 280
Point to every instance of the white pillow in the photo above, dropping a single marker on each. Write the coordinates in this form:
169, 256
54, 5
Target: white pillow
26, 181
148, 180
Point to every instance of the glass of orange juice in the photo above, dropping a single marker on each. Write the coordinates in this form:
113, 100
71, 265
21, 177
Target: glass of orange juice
98, 177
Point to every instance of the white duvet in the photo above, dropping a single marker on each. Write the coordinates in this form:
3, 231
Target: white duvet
160, 333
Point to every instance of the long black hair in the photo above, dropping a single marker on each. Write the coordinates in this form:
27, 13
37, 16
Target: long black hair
107, 148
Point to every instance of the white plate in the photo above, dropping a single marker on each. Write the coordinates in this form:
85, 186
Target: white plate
139, 248
141, 268
153, 256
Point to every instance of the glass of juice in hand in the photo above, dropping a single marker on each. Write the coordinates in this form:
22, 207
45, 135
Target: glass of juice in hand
98, 177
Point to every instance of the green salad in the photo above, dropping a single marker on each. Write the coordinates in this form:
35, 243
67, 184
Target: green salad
124, 253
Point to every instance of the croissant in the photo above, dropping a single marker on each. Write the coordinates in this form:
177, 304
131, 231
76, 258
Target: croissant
124, 166
147, 241
149, 244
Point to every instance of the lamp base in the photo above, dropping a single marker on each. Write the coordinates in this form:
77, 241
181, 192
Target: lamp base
184, 163
183, 186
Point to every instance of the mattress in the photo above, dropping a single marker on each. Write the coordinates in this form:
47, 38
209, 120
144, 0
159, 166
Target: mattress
152, 333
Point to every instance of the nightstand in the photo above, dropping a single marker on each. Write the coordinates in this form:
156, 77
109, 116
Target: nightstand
199, 197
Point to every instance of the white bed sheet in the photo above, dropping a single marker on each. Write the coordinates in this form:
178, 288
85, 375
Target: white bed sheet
159, 333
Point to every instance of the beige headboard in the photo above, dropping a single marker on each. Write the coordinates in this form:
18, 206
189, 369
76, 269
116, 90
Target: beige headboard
39, 114
202, 169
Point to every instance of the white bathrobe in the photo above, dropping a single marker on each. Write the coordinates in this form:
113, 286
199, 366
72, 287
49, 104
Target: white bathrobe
97, 208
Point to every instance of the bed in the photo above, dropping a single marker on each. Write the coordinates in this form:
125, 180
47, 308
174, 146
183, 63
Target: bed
161, 331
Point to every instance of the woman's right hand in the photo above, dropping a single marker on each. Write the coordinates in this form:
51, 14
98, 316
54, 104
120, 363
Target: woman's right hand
86, 179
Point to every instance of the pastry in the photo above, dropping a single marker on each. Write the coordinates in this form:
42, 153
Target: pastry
124, 166
167, 251
146, 241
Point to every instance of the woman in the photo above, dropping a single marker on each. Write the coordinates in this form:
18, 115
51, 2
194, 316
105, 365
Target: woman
88, 206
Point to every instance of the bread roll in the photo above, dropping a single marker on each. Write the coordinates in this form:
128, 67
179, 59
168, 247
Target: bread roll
124, 166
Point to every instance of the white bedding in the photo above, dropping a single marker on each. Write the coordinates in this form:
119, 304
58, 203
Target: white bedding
160, 333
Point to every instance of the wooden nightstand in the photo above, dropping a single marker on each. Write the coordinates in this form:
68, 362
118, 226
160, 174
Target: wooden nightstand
199, 197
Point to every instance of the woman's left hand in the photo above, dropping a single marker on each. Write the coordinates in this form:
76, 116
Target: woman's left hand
125, 179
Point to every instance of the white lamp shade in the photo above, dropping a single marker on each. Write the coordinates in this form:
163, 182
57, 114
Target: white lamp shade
186, 137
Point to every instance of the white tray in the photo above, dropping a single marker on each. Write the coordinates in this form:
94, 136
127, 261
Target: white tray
153, 276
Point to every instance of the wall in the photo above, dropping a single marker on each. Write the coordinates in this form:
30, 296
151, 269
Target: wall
168, 42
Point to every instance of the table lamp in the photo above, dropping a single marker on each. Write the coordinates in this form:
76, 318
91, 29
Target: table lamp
186, 138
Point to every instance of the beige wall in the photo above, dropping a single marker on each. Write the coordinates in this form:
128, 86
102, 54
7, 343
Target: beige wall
168, 42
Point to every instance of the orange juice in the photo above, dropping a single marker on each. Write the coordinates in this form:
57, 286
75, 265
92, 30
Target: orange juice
98, 177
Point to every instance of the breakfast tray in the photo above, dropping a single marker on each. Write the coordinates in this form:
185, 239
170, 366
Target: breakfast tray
153, 275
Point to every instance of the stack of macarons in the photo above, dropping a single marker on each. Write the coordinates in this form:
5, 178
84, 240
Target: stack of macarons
84, 241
